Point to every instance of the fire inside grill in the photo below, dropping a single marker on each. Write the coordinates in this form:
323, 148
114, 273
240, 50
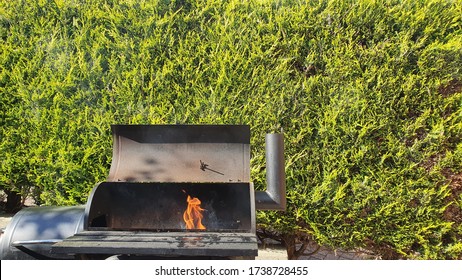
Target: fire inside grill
173, 191
192, 216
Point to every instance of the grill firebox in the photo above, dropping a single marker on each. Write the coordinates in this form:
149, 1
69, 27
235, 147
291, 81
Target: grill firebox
142, 210
160, 206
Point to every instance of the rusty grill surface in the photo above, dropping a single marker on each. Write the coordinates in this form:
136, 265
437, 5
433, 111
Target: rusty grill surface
222, 244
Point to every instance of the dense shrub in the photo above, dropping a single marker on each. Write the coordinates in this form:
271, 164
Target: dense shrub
368, 94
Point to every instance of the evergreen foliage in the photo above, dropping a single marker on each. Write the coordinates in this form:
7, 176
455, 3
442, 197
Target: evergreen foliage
368, 94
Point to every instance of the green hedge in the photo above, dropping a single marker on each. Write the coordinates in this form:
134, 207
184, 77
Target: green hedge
367, 93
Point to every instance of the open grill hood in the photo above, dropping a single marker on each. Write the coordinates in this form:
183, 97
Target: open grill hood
180, 153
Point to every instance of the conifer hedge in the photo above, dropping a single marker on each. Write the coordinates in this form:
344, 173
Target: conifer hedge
368, 94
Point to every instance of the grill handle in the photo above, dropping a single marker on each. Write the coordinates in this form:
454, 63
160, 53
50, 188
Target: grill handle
274, 198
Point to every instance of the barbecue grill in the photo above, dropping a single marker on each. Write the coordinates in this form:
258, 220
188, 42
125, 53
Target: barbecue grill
173, 191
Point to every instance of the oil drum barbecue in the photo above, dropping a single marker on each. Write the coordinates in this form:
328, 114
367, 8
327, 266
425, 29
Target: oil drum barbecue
173, 191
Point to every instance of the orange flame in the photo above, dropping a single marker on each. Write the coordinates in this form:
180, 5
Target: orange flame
193, 214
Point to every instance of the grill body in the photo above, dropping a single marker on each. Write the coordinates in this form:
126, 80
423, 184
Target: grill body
139, 211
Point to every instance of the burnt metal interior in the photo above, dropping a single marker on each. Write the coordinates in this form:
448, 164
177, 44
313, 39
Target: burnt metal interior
160, 206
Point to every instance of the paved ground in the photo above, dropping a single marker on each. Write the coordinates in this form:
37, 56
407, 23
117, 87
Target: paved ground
321, 254
277, 252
